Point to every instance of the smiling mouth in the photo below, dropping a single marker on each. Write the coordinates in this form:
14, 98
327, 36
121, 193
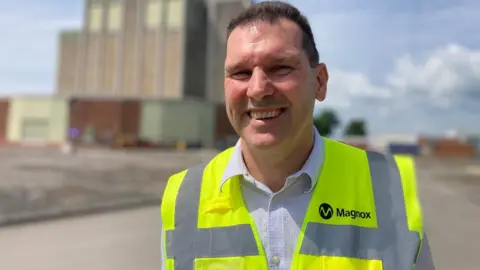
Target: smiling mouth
266, 114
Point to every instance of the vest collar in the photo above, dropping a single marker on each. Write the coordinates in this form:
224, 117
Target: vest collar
236, 165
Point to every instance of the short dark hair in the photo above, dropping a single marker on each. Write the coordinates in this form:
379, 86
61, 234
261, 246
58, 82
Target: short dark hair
272, 11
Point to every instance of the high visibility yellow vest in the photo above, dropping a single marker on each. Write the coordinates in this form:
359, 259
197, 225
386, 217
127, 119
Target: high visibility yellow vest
364, 214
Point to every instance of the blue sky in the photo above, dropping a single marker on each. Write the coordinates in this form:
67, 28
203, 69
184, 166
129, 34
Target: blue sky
404, 65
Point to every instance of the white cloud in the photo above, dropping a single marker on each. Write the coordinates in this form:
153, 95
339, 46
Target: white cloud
345, 87
447, 79
448, 72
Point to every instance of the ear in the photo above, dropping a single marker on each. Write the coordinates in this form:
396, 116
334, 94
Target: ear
322, 80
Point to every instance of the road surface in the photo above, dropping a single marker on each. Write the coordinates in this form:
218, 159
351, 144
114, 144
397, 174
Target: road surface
450, 193
131, 239
128, 240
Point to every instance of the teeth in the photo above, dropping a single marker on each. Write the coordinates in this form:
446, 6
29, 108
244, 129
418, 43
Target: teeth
263, 115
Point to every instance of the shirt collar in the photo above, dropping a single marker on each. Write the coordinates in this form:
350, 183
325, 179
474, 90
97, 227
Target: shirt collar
236, 165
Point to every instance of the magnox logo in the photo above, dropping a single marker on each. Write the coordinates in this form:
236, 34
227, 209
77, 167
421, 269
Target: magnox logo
326, 212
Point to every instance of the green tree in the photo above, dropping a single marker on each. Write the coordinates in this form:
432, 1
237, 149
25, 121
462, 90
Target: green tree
326, 122
356, 127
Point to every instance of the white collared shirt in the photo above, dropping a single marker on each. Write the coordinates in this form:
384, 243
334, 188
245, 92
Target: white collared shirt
311, 168
278, 216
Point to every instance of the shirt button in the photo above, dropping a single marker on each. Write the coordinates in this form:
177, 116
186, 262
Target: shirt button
276, 260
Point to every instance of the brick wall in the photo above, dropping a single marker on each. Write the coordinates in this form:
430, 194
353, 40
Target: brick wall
108, 117
452, 148
4, 108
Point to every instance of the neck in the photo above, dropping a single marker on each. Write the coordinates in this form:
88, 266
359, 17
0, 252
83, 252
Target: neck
273, 166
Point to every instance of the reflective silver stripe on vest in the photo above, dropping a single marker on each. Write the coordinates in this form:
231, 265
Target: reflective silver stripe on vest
187, 242
392, 242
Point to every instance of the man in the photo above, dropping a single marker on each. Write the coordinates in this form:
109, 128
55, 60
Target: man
284, 197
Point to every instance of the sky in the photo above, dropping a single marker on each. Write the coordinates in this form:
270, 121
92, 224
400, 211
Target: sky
406, 66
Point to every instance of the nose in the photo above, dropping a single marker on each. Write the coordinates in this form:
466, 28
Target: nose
259, 85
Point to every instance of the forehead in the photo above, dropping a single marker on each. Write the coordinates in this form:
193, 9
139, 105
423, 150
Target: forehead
261, 40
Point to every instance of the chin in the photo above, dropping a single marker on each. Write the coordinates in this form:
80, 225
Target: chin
265, 140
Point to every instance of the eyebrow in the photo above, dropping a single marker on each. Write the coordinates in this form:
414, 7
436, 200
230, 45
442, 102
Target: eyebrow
286, 57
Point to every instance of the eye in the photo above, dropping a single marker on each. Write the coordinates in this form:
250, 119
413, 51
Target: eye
281, 70
241, 75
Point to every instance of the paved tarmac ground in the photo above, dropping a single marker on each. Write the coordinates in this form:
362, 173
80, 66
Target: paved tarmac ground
129, 240
450, 192
38, 182
126, 240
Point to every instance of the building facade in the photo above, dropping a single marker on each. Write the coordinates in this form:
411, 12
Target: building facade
37, 120
165, 55
166, 49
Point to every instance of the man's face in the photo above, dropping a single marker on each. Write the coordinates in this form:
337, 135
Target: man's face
270, 88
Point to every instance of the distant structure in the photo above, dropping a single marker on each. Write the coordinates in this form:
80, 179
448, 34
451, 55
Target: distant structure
137, 72
169, 49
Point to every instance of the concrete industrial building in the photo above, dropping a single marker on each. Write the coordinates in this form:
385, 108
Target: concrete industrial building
145, 69
168, 49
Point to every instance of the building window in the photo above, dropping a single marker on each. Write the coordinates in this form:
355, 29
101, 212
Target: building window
115, 16
175, 13
154, 14
95, 17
